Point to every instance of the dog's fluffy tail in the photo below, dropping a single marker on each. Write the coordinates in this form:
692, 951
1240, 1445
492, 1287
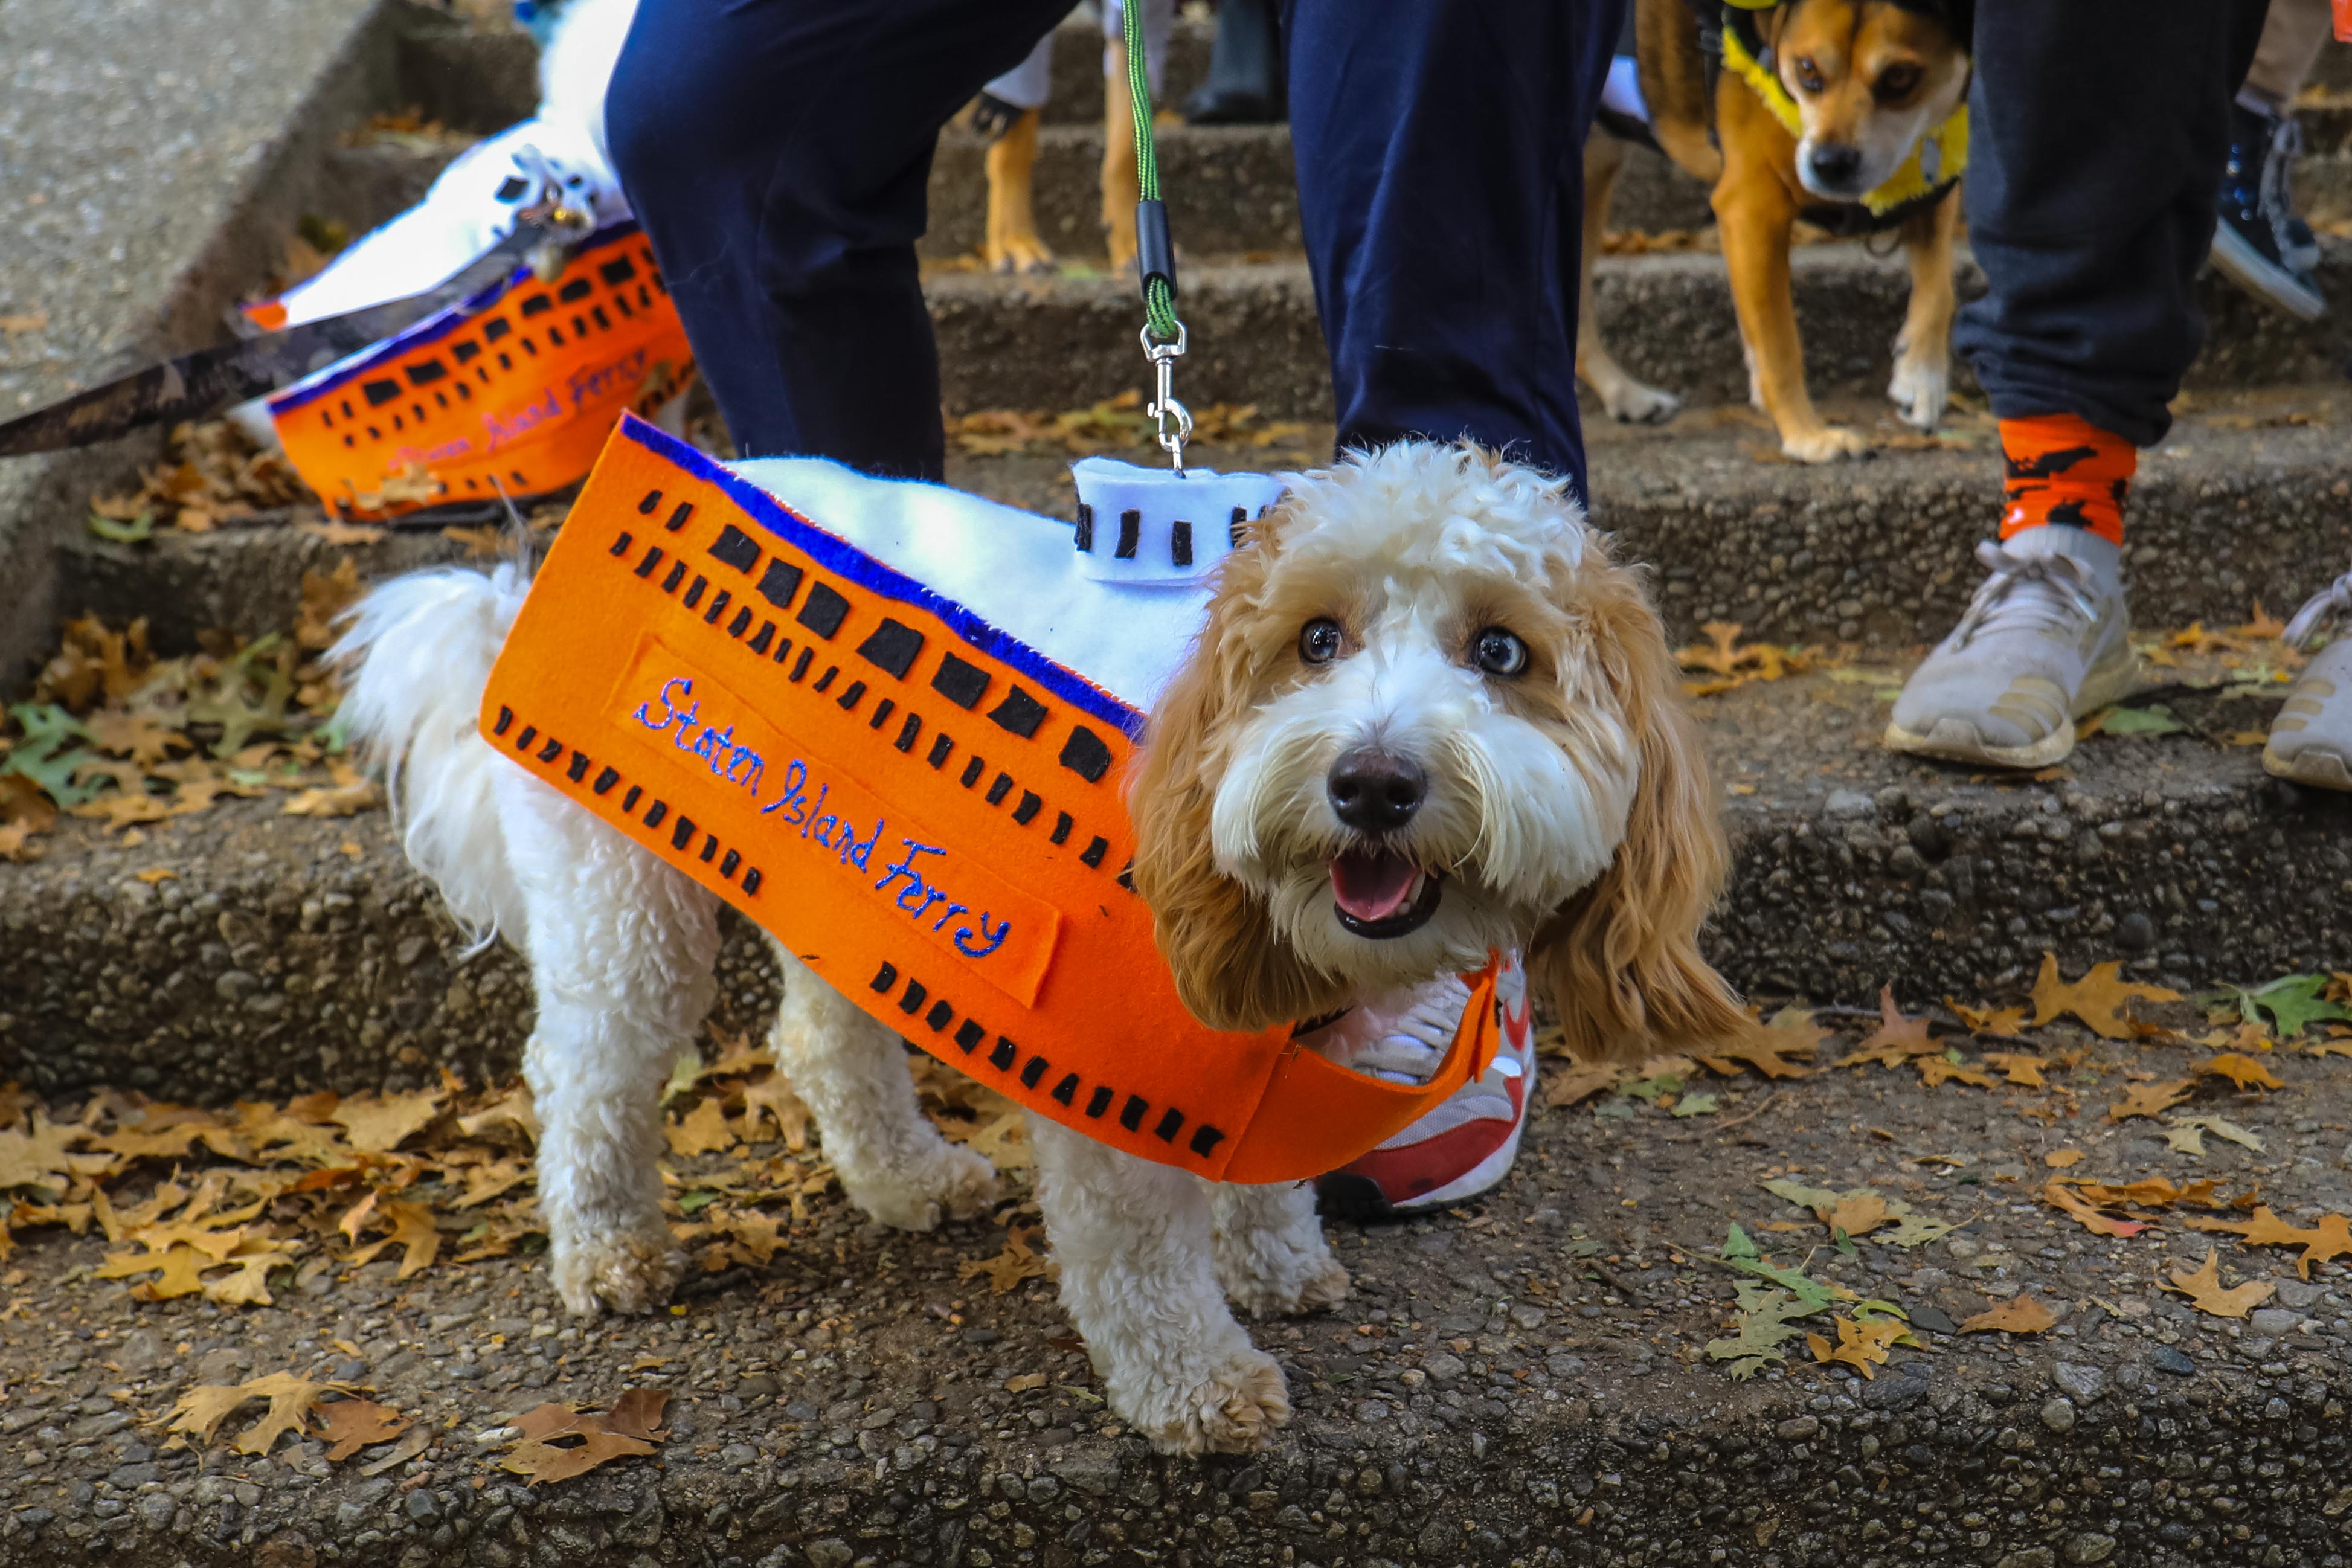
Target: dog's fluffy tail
416, 653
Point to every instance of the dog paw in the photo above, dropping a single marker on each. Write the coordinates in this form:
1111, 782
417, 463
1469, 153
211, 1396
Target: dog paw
1920, 392
1235, 1410
947, 1183
628, 1271
1637, 402
1829, 444
1316, 1288
1019, 255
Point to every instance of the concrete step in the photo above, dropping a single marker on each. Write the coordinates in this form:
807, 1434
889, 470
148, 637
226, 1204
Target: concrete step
290, 952
1064, 341
2249, 501
1524, 1384
1230, 190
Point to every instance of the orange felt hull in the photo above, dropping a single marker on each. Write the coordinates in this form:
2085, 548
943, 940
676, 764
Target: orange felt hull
515, 391
927, 811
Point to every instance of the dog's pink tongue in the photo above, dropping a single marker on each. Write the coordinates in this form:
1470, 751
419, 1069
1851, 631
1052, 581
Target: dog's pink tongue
1371, 886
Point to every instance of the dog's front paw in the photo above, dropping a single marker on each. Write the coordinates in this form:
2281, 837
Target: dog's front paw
1316, 1288
946, 1183
1018, 253
1825, 444
1921, 391
1233, 1411
628, 1271
1632, 402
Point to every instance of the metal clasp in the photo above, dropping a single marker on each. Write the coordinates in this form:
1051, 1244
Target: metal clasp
1164, 406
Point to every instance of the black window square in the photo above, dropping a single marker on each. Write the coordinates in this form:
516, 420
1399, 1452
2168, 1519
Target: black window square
1098, 1102
1085, 754
1169, 1122
823, 610
1067, 1090
779, 582
1001, 1059
1029, 807
1018, 712
1062, 822
1179, 542
1031, 1070
1204, 1139
886, 978
999, 787
937, 1018
968, 1036
1131, 535
653, 559
736, 548
1094, 852
1131, 1115
912, 1001
960, 683
893, 645
941, 744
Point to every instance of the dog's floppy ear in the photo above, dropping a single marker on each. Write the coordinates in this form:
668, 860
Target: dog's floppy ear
1232, 969
1621, 959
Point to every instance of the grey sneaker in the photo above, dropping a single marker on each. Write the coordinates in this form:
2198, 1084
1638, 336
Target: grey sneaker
2046, 640
2311, 738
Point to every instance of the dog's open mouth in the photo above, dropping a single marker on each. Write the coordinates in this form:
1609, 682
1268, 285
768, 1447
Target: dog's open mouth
1381, 894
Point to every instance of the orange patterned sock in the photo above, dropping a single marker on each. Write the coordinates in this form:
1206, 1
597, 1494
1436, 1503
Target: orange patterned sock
2063, 468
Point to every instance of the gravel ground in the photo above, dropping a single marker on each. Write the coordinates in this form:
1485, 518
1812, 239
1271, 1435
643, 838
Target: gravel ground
1522, 1381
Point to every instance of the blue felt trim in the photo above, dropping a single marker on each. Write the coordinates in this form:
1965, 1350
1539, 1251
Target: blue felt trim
440, 324
844, 560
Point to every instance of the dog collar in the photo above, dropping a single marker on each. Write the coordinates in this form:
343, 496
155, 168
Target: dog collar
754, 685
1934, 166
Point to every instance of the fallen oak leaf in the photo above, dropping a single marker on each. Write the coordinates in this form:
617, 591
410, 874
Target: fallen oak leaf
2149, 1100
2153, 1192
2241, 1070
2183, 1133
555, 1442
2331, 1238
380, 1123
2019, 1069
2100, 999
1769, 1047
702, 1131
1861, 1345
2203, 1288
349, 1424
201, 1411
2018, 1315
2060, 1196
1898, 1040
1764, 1323
1939, 1069
1017, 1262
1988, 1020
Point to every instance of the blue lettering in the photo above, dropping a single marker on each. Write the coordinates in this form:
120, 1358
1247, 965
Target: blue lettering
994, 938
906, 867
685, 688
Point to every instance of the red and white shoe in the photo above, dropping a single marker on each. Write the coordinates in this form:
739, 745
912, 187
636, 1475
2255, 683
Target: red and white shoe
1464, 1147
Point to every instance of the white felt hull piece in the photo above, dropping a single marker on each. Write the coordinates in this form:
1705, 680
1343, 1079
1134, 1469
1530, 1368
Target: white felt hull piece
1017, 570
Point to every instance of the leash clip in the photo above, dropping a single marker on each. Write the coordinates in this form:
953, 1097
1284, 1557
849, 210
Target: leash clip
1164, 407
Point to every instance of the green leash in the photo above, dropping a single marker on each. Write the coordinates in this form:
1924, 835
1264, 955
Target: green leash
1155, 253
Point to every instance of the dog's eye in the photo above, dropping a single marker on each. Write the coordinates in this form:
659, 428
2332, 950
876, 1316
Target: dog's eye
1895, 82
1319, 642
1809, 74
1498, 652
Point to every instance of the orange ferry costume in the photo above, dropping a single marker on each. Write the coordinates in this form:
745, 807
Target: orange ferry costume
908, 780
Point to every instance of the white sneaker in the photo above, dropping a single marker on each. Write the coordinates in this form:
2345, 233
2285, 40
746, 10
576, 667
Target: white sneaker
2311, 737
2046, 640
1465, 1146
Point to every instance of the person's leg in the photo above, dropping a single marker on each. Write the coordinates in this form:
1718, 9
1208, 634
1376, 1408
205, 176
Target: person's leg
2293, 34
2098, 130
2263, 245
777, 152
1440, 153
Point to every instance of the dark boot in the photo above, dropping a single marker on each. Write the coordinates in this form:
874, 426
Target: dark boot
1245, 84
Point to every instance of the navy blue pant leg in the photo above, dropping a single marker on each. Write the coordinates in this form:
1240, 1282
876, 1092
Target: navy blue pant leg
1441, 181
777, 152
2097, 132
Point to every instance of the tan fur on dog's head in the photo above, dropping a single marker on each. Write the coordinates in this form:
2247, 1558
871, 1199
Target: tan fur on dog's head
1451, 612
1870, 79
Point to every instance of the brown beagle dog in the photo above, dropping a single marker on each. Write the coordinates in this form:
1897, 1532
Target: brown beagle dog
1847, 113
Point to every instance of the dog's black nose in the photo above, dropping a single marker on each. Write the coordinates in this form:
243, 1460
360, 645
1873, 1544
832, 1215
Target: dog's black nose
1835, 163
1376, 792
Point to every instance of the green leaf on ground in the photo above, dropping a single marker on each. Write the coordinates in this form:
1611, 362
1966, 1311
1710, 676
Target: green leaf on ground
47, 756
2155, 718
138, 531
2293, 1002
1767, 1320
1697, 1105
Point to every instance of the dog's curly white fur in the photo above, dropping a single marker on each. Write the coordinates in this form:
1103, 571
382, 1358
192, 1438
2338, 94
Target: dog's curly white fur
1568, 813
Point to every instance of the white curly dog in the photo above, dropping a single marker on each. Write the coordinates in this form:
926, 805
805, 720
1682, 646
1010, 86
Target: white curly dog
1428, 717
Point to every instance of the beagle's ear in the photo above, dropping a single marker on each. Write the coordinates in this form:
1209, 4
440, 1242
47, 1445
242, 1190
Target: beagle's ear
1621, 959
1232, 969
